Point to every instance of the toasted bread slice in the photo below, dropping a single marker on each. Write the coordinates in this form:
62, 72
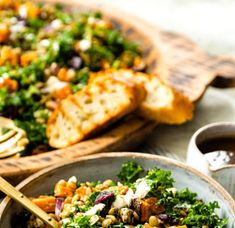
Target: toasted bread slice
162, 103
101, 102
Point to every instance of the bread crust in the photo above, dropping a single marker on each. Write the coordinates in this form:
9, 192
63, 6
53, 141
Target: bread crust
162, 103
103, 101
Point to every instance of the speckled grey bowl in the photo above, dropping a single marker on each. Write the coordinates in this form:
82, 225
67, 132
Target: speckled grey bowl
103, 166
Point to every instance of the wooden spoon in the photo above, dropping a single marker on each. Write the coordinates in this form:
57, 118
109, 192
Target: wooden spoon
12, 192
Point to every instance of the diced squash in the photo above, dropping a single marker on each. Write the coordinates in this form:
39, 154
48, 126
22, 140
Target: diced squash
62, 93
5, 4
5, 54
10, 84
66, 75
9, 55
62, 74
4, 32
149, 207
31, 9
27, 58
81, 191
46, 203
64, 189
156, 209
145, 210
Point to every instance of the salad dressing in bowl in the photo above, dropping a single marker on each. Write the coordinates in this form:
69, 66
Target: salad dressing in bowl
219, 151
212, 151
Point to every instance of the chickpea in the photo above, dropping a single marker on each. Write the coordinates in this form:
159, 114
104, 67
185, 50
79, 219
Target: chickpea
75, 198
112, 211
123, 190
136, 216
112, 217
66, 210
68, 200
99, 187
108, 183
107, 222
153, 221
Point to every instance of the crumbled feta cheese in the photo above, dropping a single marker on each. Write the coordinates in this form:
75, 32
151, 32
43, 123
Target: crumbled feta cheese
94, 219
56, 24
17, 28
45, 43
29, 36
23, 12
13, 20
101, 23
84, 45
5, 75
95, 209
71, 73
65, 220
173, 190
95, 21
91, 20
142, 189
119, 202
72, 179
55, 46
52, 84
128, 197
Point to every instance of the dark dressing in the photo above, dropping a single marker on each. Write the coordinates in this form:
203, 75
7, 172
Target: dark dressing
219, 151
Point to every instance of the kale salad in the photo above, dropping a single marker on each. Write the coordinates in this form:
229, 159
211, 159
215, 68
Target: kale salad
139, 199
47, 53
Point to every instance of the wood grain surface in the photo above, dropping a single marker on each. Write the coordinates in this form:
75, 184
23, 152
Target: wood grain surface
126, 135
190, 69
13, 193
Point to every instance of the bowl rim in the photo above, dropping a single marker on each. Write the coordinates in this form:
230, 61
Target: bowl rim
226, 196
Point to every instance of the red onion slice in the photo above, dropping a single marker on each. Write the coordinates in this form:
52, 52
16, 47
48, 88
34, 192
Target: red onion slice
103, 196
58, 206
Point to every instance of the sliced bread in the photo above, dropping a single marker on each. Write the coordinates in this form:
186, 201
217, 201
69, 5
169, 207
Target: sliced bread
103, 101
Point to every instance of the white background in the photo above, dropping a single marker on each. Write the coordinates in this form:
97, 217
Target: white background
211, 23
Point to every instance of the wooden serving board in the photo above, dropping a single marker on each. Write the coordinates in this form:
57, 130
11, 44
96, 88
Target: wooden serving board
125, 136
189, 69
177, 60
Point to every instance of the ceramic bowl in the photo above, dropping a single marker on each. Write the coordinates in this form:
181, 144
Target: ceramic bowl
224, 174
103, 166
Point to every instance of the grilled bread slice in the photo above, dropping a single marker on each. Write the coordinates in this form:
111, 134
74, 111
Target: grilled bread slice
162, 103
103, 101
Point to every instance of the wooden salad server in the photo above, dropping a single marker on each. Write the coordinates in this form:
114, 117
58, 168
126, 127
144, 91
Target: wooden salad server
12, 192
12, 139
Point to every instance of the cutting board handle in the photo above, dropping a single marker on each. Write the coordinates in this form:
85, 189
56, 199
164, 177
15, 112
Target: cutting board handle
224, 68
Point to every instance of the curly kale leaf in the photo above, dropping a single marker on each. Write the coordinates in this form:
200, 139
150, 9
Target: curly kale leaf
158, 180
201, 214
79, 222
175, 203
36, 132
130, 172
